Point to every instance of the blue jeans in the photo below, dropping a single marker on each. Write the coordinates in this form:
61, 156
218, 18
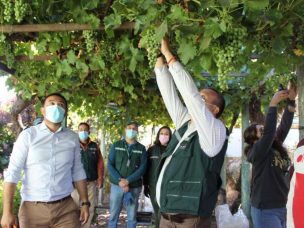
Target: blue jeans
116, 203
268, 218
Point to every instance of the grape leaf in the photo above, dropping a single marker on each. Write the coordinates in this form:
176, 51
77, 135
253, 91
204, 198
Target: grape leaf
186, 51
213, 28
257, 5
112, 21
161, 31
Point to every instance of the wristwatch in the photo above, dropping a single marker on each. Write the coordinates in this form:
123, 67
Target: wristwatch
86, 204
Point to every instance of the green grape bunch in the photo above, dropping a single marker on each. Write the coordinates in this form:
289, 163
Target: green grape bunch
8, 10
20, 9
7, 51
299, 38
89, 40
227, 52
150, 42
108, 50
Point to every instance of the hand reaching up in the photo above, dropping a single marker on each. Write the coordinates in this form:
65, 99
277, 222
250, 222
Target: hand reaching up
278, 97
292, 91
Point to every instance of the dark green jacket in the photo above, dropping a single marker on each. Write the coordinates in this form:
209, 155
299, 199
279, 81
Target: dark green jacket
127, 161
154, 157
89, 159
191, 180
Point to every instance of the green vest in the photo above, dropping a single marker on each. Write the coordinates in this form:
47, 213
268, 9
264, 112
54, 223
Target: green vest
127, 160
191, 180
89, 159
154, 158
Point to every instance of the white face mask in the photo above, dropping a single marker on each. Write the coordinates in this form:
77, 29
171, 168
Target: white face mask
131, 134
54, 113
83, 135
164, 139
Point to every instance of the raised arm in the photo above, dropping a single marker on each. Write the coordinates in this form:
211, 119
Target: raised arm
211, 131
176, 109
285, 124
261, 148
288, 115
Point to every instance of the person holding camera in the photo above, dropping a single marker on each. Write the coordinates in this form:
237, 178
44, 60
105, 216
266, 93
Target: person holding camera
270, 163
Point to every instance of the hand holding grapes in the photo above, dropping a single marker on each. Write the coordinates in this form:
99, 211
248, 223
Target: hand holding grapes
165, 50
165, 46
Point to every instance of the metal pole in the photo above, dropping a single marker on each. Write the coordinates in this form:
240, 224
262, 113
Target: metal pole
245, 170
103, 152
102, 142
300, 81
224, 174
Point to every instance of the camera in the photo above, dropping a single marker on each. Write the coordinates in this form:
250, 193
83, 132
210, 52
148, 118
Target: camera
281, 87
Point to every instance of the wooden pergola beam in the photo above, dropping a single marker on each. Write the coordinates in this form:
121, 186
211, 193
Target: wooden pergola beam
34, 58
57, 27
3, 67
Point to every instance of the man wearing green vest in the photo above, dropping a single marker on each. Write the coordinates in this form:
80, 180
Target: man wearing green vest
126, 166
189, 178
92, 161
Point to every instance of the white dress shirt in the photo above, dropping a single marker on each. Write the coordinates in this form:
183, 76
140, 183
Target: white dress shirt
50, 161
211, 131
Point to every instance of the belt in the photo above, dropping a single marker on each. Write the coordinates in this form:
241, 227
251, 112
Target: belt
177, 218
55, 201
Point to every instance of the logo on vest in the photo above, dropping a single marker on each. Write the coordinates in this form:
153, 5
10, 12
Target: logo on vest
300, 158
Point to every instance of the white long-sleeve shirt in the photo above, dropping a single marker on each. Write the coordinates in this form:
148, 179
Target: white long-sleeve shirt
50, 161
211, 131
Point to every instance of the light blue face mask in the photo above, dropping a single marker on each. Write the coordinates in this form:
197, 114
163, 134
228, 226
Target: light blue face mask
54, 113
83, 135
131, 134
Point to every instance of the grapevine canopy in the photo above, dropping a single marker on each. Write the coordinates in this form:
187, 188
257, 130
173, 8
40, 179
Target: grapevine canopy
88, 50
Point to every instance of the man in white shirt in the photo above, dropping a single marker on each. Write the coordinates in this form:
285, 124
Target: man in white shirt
189, 179
49, 156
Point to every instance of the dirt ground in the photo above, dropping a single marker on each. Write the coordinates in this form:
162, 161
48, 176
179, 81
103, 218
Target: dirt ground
101, 220
102, 214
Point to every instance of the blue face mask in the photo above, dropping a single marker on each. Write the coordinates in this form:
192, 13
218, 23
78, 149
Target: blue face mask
54, 113
131, 134
83, 135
